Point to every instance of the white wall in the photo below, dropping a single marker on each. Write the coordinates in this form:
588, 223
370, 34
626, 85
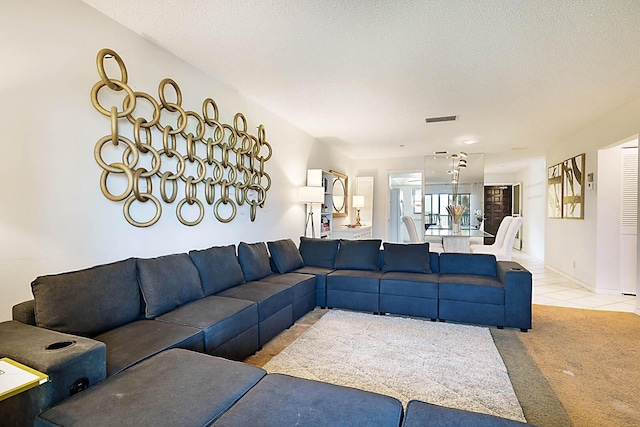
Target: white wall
569, 241
534, 184
54, 217
609, 207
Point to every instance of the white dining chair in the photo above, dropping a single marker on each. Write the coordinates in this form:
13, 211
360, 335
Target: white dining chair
414, 237
498, 241
504, 252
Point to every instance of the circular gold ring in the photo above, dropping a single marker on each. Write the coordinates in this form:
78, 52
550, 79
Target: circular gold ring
182, 120
236, 118
139, 124
98, 149
216, 207
270, 150
241, 195
252, 211
166, 134
154, 103
163, 188
103, 183
130, 220
200, 128
156, 162
218, 172
130, 105
205, 111
103, 73
181, 163
202, 169
114, 125
143, 197
175, 86
181, 218
210, 191
233, 136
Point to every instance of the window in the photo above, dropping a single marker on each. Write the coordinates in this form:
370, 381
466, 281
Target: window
435, 209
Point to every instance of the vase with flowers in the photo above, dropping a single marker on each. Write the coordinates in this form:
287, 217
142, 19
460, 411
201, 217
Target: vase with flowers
455, 209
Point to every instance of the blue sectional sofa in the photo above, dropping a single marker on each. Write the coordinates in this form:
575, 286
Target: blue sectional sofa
86, 326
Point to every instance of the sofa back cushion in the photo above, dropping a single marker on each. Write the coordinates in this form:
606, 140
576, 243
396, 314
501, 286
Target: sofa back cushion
168, 282
358, 255
285, 255
410, 258
254, 260
319, 252
88, 302
218, 268
434, 262
456, 263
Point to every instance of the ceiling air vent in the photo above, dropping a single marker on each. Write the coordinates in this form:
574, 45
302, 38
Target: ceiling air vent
441, 119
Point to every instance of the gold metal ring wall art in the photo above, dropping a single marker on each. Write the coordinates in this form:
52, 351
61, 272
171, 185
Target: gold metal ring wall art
160, 140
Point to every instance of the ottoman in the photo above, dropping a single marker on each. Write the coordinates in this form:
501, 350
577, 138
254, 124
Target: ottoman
174, 388
281, 400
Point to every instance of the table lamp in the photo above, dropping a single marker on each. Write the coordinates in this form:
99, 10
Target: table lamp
358, 203
310, 195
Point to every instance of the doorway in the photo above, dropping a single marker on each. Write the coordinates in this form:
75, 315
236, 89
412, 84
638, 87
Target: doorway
405, 199
617, 214
497, 205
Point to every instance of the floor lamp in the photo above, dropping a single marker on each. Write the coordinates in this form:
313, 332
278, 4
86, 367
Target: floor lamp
310, 195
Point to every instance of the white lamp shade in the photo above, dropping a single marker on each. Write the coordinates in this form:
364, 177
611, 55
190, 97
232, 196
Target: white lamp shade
358, 201
311, 194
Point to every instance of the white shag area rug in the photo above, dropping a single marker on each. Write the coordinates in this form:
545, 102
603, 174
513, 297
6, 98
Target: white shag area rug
451, 365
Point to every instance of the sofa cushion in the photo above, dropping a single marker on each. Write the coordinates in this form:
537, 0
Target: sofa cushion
168, 282
409, 284
471, 288
412, 258
358, 255
218, 268
285, 255
138, 341
175, 388
319, 252
220, 319
82, 302
457, 263
421, 414
254, 260
281, 400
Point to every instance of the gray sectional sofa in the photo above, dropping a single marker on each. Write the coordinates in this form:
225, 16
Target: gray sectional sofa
86, 326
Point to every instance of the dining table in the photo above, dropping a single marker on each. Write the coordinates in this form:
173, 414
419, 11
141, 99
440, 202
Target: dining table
456, 241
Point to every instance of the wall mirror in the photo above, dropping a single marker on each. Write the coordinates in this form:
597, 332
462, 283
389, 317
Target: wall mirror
340, 194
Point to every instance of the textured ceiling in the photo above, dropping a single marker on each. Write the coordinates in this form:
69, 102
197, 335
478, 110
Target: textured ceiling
363, 75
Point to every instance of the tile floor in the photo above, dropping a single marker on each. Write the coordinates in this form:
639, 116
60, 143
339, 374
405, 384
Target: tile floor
550, 288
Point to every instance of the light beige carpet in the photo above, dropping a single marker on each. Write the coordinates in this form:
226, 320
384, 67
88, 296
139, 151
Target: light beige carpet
591, 359
445, 364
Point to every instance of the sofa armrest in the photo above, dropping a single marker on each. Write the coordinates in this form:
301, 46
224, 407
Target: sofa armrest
517, 282
25, 312
72, 363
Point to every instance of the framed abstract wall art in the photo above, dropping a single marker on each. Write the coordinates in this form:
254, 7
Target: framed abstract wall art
554, 191
573, 187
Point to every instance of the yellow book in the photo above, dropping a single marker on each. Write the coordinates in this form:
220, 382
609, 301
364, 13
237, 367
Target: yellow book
16, 378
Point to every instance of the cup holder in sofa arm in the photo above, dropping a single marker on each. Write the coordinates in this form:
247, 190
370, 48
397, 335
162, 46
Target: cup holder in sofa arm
60, 345
516, 269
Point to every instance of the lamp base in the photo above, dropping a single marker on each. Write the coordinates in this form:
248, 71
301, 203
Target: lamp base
358, 217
